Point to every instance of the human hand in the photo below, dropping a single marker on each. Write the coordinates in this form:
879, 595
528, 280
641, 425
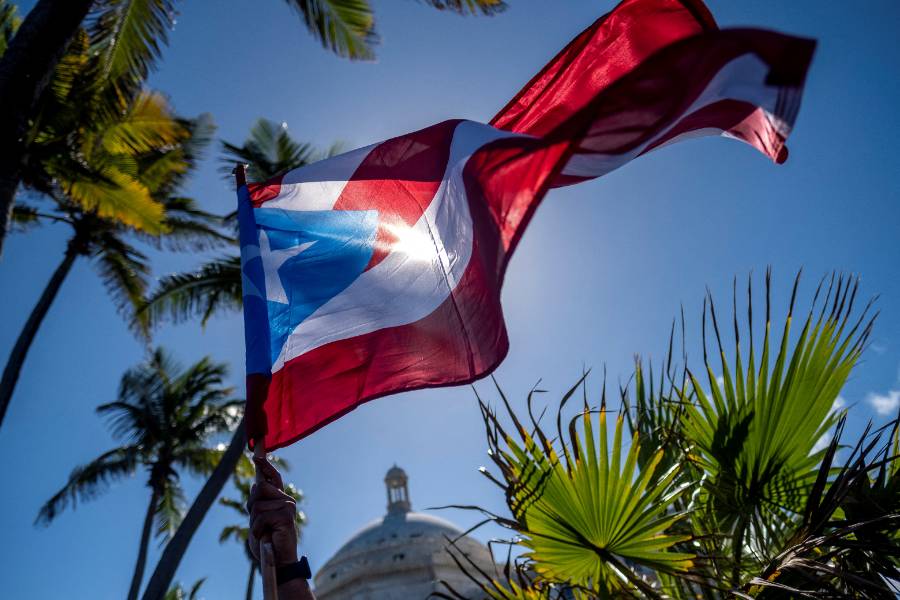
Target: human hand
272, 515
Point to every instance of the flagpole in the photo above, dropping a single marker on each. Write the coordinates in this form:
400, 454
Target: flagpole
266, 553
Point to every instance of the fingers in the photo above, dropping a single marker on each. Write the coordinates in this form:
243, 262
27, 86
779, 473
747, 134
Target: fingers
265, 491
263, 506
267, 471
265, 522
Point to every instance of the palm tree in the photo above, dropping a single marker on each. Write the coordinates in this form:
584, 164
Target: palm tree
164, 416
111, 171
243, 482
722, 491
129, 35
216, 286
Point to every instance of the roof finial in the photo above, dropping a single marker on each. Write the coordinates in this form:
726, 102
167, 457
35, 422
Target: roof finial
397, 491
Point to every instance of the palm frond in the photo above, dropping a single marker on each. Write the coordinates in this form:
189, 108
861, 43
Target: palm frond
128, 36
170, 510
124, 271
89, 481
234, 532
9, 23
471, 7
24, 217
346, 27
112, 194
847, 543
514, 583
270, 151
146, 126
214, 287
590, 520
755, 429
189, 228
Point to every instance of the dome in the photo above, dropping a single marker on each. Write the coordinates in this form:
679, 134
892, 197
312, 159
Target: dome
401, 556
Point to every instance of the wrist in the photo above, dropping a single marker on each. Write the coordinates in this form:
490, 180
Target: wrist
292, 580
285, 556
295, 589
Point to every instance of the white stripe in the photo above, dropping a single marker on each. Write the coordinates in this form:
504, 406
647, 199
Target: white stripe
319, 185
420, 272
740, 79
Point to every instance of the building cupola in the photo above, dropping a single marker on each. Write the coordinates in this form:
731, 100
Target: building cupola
397, 491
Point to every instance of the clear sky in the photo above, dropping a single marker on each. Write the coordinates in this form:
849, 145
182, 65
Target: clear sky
597, 278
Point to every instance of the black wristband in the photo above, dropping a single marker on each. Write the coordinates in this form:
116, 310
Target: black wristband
297, 570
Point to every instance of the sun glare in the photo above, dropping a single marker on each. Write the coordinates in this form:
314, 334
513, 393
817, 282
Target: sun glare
415, 244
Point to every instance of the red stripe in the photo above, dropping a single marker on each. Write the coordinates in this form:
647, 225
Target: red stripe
265, 191
399, 178
740, 119
640, 105
610, 48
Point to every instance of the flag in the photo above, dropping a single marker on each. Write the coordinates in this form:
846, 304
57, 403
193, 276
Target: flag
379, 270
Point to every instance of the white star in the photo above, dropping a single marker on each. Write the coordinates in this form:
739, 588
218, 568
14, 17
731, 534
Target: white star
272, 261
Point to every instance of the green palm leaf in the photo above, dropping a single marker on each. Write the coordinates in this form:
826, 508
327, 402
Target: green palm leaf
214, 287
169, 511
473, 7
9, 22
346, 27
755, 428
112, 194
128, 35
591, 519
124, 271
146, 126
89, 481
270, 151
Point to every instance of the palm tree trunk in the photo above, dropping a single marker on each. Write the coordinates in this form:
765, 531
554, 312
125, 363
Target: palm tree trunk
25, 70
177, 546
26, 336
142, 549
250, 580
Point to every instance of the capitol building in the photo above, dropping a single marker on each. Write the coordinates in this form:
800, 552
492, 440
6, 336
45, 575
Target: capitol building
401, 556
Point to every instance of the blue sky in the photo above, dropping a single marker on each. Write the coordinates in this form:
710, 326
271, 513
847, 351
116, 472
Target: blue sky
598, 277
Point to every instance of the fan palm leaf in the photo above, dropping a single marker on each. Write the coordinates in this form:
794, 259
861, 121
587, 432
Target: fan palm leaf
754, 431
587, 517
847, 543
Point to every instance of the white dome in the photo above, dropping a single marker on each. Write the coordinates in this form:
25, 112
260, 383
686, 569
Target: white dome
401, 556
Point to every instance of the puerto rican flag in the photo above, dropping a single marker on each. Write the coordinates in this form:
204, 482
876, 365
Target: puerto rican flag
379, 270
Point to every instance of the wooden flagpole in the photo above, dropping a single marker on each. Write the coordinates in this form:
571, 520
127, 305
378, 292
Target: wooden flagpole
266, 553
